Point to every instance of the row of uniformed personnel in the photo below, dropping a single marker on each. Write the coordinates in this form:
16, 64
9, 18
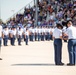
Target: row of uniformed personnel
26, 33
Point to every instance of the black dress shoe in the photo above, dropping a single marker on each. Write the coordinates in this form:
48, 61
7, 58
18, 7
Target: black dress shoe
13, 45
0, 58
19, 44
60, 64
70, 64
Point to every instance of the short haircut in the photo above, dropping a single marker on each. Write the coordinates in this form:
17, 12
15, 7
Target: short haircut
68, 21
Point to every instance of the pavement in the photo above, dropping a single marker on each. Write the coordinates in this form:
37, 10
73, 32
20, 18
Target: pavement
35, 59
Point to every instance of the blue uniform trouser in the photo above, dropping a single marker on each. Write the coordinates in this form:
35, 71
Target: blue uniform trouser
58, 50
42, 37
39, 36
51, 37
12, 40
48, 36
35, 37
5, 40
72, 51
26, 40
31, 37
19, 40
0, 42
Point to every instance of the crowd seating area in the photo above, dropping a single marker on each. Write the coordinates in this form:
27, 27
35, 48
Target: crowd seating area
49, 13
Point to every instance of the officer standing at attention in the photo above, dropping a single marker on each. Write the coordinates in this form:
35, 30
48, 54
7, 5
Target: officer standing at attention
5, 36
57, 36
42, 34
12, 36
71, 33
26, 35
0, 37
35, 33
19, 36
39, 33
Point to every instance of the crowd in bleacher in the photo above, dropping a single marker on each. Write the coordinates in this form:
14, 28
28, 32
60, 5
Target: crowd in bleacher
49, 13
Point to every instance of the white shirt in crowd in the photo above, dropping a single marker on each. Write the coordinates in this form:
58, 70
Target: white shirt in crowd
43, 30
26, 33
71, 32
13, 32
6, 32
19, 32
57, 33
64, 29
39, 30
35, 30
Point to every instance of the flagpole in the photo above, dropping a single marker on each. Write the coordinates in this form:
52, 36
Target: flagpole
36, 12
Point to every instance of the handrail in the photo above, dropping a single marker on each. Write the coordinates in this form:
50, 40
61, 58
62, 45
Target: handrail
19, 10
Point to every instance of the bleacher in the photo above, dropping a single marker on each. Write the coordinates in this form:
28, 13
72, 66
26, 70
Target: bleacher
49, 13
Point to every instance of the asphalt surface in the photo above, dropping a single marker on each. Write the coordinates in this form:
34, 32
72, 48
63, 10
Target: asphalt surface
35, 59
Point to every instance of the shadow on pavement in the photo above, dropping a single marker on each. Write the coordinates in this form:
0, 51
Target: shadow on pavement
33, 65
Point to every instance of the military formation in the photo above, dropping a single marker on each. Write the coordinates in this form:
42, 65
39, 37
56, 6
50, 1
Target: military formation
40, 33
63, 31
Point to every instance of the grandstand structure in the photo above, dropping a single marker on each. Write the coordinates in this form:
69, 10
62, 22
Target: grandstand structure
45, 12
21, 11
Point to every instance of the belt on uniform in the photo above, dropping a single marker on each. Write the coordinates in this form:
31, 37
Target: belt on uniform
72, 39
58, 39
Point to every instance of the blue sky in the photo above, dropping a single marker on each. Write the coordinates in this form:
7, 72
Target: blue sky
8, 5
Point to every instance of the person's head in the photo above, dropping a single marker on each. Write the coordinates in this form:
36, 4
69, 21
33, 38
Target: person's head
13, 28
19, 28
5, 27
59, 26
64, 23
69, 23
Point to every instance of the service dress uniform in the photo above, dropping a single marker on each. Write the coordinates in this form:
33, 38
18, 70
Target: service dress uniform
42, 34
71, 32
30, 34
5, 36
26, 35
12, 36
19, 36
39, 34
35, 34
57, 33
46, 33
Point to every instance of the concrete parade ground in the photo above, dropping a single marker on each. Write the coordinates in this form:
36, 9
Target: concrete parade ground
35, 59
